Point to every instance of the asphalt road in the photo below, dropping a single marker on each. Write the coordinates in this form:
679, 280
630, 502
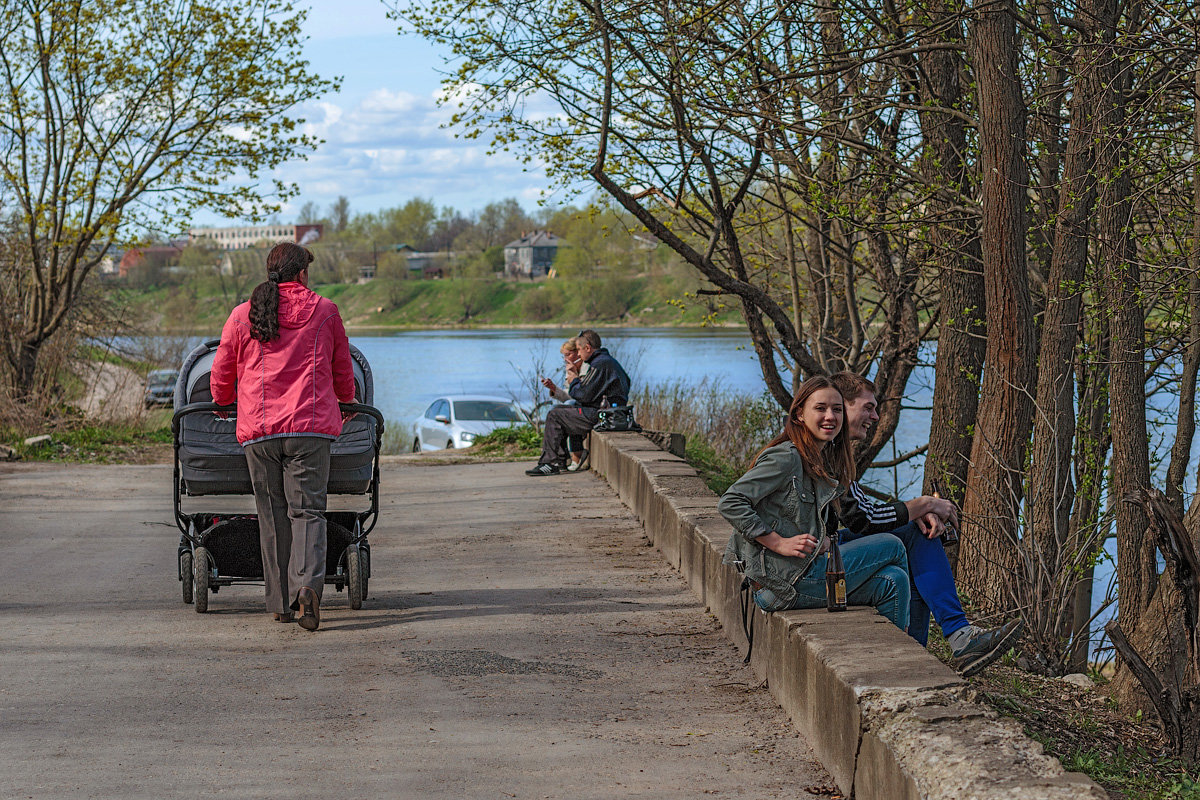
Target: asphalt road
522, 640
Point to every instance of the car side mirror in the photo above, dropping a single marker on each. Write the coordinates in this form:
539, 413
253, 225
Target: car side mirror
442, 418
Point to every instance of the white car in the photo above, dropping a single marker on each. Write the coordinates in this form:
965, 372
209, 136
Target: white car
455, 420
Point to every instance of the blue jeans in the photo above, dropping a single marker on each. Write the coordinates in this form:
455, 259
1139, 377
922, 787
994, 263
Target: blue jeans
932, 582
876, 575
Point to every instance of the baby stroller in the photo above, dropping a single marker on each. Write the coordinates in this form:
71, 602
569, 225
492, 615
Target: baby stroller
218, 550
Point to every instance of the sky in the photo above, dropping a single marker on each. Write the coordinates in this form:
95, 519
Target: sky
384, 140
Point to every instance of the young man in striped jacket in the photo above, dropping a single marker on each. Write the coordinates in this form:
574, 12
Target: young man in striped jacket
919, 523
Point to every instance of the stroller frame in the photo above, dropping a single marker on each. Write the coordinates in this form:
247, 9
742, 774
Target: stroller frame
198, 569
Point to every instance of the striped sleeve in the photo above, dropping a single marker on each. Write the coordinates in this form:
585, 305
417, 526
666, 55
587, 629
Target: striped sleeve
862, 515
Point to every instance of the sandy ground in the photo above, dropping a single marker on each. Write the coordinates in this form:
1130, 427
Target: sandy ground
114, 392
522, 640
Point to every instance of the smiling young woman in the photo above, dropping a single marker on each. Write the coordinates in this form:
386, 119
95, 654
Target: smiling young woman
786, 508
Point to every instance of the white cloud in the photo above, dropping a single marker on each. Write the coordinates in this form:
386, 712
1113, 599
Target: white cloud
383, 101
384, 135
390, 147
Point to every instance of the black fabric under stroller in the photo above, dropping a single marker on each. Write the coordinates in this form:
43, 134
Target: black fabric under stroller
218, 550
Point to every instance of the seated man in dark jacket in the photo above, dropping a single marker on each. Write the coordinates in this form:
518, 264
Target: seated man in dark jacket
605, 384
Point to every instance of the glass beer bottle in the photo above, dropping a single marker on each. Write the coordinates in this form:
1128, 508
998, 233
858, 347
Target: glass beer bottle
835, 577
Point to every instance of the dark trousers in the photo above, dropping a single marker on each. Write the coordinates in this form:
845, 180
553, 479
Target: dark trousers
561, 423
290, 476
932, 583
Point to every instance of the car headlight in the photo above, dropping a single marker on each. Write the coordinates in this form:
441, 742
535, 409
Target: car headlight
467, 436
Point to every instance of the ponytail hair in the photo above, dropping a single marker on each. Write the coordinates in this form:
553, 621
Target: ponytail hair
285, 261
832, 462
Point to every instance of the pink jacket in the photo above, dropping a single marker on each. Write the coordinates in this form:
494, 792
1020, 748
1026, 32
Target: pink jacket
290, 386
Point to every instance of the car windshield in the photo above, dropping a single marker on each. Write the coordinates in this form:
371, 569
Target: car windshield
489, 410
162, 376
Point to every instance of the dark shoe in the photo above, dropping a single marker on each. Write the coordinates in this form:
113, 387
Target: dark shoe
286, 616
985, 646
310, 609
544, 469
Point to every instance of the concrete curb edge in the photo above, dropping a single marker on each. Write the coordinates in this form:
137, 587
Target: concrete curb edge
887, 719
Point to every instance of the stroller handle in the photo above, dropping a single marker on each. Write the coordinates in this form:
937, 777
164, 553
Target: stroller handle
361, 408
231, 410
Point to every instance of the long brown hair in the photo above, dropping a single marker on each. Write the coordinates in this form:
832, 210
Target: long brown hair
285, 261
832, 461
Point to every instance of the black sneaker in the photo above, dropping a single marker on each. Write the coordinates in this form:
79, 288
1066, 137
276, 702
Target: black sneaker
985, 646
543, 469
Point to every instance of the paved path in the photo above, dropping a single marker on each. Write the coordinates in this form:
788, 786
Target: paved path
522, 641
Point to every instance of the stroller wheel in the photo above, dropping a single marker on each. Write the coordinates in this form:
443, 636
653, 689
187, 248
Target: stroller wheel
354, 577
201, 576
185, 576
364, 558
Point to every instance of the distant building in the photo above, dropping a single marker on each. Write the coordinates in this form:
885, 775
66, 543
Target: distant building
430, 265
158, 256
532, 255
239, 238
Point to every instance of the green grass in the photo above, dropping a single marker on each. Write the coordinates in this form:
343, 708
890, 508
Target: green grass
389, 303
94, 443
717, 473
1127, 773
523, 441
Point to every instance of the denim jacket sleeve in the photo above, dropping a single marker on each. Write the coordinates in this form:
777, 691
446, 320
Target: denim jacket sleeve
773, 470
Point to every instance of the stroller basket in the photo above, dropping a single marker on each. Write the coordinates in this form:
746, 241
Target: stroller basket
232, 542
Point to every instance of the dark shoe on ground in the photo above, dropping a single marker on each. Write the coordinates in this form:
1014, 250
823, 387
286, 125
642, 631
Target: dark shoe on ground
286, 616
985, 646
544, 469
310, 609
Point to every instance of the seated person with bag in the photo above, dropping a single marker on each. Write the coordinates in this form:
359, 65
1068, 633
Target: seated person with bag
604, 385
571, 361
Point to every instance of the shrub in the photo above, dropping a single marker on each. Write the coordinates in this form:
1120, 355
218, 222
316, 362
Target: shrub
516, 442
542, 304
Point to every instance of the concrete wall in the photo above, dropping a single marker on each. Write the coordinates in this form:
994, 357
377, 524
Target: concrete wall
888, 720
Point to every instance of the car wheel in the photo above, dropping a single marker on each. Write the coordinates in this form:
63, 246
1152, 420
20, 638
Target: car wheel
450, 445
416, 445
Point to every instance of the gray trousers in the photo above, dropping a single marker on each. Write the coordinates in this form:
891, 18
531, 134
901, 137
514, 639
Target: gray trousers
290, 476
564, 423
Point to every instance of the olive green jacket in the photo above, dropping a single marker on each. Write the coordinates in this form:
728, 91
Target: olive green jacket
776, 495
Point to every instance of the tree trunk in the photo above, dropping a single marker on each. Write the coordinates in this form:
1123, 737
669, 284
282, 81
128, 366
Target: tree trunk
1136, 566
994, 488
1186, 427
1049, 554
25, 370
1162, 656
1093, 438
955, 252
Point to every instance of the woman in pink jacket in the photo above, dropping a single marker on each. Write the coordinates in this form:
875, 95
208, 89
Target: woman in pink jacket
284, 357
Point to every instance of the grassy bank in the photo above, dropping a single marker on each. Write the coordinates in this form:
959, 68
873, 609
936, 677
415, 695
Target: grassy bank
388, 303
144, 442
